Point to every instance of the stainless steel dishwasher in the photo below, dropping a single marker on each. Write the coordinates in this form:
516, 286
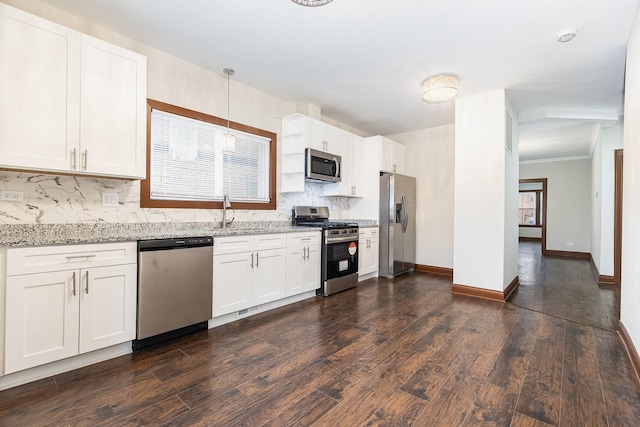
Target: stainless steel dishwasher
175, 287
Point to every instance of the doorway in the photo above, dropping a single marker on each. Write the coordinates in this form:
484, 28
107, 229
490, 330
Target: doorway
537, 186
617, 219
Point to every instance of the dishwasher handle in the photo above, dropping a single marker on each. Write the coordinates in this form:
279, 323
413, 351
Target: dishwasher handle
178, 243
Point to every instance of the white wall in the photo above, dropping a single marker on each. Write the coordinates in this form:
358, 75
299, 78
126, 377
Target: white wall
596, 200
429, 156
66, 199
568, 202
630, 291
612, 139
480, 198
511, 190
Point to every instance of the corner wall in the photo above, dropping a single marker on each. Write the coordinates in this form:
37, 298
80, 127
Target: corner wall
630, 288
429, 156
482, 196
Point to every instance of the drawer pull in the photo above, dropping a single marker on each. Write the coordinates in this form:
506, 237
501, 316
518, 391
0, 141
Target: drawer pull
70, 257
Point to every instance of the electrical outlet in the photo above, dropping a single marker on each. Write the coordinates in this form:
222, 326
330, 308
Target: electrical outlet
12, 196
110, 199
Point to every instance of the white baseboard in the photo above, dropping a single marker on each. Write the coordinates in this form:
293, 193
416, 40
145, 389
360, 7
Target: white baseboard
65, 365
232, 317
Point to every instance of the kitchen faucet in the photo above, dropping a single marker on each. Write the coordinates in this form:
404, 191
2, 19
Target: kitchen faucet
225, 205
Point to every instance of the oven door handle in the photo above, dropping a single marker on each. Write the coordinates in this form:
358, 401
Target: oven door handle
342, 239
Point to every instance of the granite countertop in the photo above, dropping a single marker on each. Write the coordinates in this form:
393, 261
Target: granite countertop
16, 235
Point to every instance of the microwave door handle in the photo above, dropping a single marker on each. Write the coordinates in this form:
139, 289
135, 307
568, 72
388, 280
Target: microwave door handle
338, 167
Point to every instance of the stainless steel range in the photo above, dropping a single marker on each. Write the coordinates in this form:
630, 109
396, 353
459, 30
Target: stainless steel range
339, 269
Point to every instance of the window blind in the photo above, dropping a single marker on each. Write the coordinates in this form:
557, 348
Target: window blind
187, 162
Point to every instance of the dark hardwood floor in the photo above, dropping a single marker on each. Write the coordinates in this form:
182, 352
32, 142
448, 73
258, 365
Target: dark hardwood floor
566, 288
402, 352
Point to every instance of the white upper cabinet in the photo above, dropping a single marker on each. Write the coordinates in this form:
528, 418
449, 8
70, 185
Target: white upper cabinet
39, 79
391, 154
352, 169
113, 110
70, 103
300, 132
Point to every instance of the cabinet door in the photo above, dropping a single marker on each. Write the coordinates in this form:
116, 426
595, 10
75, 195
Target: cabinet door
397, 156
40, 87
296, 255
113, 110
315, 136
41, 319
386, 155
363, 243
232, 282
269, 276
107, 306
311, 270
371, 264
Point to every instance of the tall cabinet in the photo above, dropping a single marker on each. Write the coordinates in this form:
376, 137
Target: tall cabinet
70, 102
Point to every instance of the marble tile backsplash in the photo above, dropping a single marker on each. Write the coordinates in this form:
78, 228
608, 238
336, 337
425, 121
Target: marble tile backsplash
60, 199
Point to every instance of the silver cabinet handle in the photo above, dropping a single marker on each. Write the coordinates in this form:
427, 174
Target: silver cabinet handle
79, 256
86, 288
73, 281
251, 259
73, 159
304, 256
307, 252
84, 161
257, 259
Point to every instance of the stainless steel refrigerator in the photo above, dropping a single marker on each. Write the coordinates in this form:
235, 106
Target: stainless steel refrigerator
397, 224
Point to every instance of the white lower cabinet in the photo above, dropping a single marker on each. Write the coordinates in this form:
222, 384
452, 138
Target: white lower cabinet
303, 262
67, 300
369, 245
247, 271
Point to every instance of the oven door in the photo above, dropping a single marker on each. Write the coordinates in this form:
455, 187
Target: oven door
341, 258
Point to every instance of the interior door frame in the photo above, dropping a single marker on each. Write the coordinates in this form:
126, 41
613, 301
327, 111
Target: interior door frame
617, 217
543, 181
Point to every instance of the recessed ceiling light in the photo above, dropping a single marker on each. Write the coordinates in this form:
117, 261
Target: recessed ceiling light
566, 35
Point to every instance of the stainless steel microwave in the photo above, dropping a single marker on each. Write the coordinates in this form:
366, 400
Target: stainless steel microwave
322, 167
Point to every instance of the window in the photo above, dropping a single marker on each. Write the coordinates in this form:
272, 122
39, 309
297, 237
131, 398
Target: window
187, 169
529, 208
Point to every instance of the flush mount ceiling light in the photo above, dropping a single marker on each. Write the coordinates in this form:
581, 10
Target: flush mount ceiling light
439, 89
312, 3
229, 143
566, 35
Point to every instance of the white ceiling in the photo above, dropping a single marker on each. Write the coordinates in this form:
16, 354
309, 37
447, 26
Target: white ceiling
363, 61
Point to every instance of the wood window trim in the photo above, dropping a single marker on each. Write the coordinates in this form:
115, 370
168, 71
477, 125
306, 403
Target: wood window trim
145, 184
538, 212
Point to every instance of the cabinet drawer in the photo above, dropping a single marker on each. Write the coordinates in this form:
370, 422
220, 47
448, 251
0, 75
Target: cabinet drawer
269, 241
303, 239
58, 258
232, 244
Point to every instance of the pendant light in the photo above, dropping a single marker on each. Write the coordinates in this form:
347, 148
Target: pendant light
229, 142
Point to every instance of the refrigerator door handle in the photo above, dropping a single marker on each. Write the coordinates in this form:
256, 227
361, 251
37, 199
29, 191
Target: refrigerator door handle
405, 214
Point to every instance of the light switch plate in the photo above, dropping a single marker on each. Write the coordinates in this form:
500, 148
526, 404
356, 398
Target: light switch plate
110, 199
